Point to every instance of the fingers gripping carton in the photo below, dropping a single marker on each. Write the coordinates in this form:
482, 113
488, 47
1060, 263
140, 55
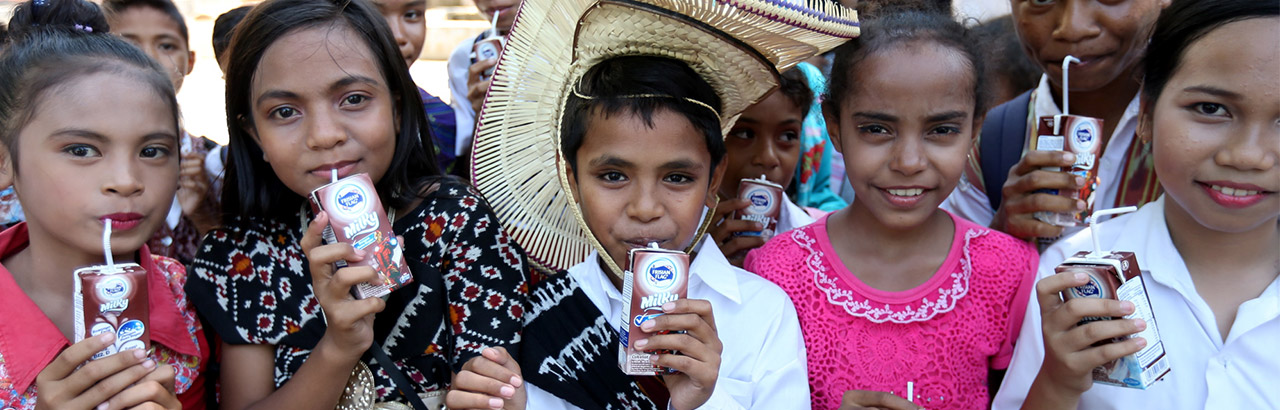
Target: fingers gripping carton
356, 217
112, 298
654, 277
1116, 275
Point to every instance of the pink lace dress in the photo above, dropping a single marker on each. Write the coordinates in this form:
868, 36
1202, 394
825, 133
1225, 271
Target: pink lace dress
937, 340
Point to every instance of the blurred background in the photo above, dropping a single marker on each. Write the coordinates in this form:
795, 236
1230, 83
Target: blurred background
449, 22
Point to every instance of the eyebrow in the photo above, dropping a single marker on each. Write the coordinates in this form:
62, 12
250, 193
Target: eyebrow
946, 116
1211, 91
416, 3
99, 138
879, 116
337, 85
612, 161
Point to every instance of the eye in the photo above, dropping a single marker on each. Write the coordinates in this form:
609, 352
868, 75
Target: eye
745, 134
613, 176
412, 15
154, 152
1042, 2
284, 113
874, 129
788, 136
354, 99
81, 150
678, 178
1210, 109
167, 47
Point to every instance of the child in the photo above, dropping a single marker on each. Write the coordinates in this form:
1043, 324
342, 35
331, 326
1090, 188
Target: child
1009, 70
814, 185
315, 88
408, 22
1207, 248
159, 30
76, 159
765, 141
642, 150
1108, 38
903, 305
466, 81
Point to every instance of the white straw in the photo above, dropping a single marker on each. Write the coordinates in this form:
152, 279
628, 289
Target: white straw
1066, 84
1093, 226
106, 241
911, 387
333, 175
495, 22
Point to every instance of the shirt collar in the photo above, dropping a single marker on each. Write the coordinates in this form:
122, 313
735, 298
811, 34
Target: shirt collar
709, 268
792, 216
29, 340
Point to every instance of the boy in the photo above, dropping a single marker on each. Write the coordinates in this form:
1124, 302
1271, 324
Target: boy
158, 28
764, 141
1109, 40
466, 82
639, 160
408, 22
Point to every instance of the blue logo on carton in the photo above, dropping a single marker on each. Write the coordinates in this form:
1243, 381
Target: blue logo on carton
661, 274
130, 330
350, 199
1089, 290
759, 199
1083, 136
114, 288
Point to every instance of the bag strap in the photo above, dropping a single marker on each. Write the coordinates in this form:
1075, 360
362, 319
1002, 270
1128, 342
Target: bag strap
402, 384
1000, 147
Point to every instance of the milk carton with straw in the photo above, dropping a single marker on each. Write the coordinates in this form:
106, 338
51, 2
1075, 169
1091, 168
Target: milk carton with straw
1079, 135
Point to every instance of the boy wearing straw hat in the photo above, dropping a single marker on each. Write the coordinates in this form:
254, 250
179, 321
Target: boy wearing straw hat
612, 139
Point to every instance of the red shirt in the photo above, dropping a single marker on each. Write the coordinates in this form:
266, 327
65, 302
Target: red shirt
29, 340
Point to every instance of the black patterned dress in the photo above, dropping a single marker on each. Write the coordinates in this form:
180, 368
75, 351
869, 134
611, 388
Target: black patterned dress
253, 284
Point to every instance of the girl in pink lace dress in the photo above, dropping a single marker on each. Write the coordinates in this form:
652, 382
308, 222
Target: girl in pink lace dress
903, 305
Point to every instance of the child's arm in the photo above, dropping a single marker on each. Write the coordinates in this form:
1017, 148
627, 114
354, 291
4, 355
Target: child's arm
121, 380
1070, 356
699, 347
490, 381
723, 227
247, 370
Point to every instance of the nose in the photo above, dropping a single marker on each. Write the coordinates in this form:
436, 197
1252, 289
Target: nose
1077, 22
397, 31
765, 154
325, 131
644, 205
907, 156
123, 178
1253, 149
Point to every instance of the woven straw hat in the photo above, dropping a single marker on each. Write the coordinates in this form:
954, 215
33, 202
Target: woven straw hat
737, 46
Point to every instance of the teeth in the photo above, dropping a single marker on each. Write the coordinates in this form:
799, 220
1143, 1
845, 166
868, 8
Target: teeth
1232, 191
906, 192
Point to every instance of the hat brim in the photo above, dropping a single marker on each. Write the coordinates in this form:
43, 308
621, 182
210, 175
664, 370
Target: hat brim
737, 48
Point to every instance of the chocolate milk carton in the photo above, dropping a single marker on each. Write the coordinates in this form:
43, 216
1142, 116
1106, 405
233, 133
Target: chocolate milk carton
112, 298
1116, 275
1081, 136
766, 205
654, 277
488, 48
356, 217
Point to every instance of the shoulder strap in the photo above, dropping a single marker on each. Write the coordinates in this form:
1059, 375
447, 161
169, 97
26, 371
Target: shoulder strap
1000, 145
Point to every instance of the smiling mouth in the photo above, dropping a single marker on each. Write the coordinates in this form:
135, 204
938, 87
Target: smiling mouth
909, 192
1229, 191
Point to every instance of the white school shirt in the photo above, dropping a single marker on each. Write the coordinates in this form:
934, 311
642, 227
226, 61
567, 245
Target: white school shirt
791, 217
970, 202
762, 365
458, 68
1205, 372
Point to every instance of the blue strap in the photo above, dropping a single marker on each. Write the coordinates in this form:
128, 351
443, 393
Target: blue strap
1003, 135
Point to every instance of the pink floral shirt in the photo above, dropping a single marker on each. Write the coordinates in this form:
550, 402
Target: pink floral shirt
940, 338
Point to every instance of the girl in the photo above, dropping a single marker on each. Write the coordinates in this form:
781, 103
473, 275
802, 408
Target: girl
901, 303
75, 159
315, 87
1207, 248
764, 141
